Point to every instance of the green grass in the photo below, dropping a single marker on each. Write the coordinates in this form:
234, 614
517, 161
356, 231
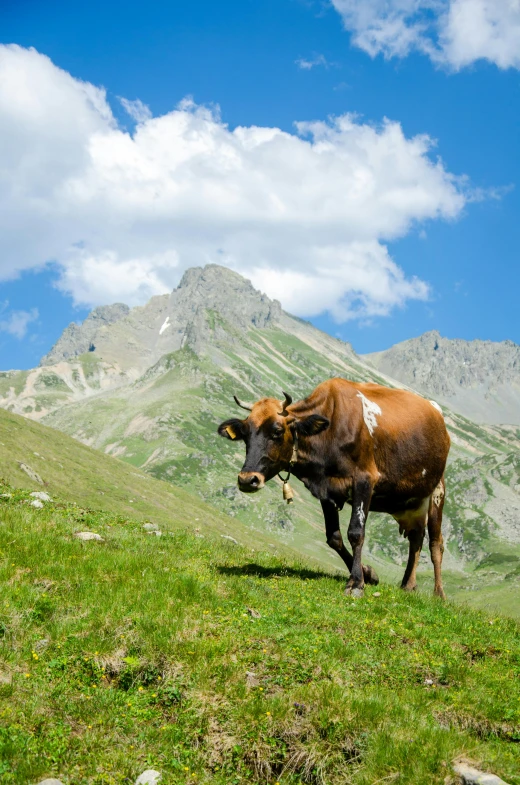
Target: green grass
51, 382
90, 364
219, 664
88, 478
91, 479
500, 597
12, 379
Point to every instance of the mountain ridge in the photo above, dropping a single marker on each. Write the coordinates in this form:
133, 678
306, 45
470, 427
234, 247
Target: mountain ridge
480, 379
79, 338
167, 322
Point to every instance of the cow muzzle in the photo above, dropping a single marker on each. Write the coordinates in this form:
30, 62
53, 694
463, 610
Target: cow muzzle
250, 482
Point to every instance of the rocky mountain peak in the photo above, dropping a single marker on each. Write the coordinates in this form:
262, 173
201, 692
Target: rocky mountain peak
79, 338
219, 289
432, 338
201, 310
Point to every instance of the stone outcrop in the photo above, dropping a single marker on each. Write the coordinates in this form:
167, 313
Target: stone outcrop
479, 379
80, 338
469, 775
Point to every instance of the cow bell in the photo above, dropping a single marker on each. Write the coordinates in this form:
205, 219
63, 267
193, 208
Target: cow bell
288, 494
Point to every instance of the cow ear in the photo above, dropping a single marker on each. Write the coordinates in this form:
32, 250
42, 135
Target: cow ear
232, 429
312, 425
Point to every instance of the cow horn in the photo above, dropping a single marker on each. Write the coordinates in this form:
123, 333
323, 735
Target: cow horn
247, 406
285, 404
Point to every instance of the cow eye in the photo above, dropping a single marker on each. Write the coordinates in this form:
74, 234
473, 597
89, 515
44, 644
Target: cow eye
277, 432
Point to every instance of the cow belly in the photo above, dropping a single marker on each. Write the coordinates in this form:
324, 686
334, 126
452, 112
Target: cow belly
397, 505
413, 518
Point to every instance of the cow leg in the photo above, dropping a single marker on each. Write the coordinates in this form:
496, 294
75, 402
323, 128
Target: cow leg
335, 541
361, 495
415, 539
435, 536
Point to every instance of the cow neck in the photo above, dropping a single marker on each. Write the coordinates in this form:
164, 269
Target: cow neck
294, 458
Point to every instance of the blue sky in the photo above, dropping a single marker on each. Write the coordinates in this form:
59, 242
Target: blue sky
265, 64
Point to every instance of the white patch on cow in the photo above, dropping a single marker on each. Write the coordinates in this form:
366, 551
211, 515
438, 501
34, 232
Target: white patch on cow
361, 515
370, 412
165, 325
436, 406
424, 472
438, 495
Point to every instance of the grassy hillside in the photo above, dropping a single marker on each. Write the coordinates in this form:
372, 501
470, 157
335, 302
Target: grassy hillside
159, 380
488, 578
86, 477
166, 423
214, 664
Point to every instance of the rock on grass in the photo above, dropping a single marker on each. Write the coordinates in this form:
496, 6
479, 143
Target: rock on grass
41, 495
471, 776
35, 477
50, 781
88, 536
148, 777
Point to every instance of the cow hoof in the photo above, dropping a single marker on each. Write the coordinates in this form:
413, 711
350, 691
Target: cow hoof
369, 575
356, 593
439, 593
409, 588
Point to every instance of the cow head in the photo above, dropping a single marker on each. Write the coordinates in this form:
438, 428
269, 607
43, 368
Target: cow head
269, 434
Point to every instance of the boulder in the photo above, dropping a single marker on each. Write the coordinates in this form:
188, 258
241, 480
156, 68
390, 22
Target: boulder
35, 477
50, 781
148, 777
471, 776
88, 536
41, 495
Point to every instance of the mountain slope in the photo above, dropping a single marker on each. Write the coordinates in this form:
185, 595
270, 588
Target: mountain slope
162, 377
479, 379
62, 467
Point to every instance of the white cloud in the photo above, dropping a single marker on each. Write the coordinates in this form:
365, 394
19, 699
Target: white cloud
305, 215
16, 322
488, 29
136, 109
306, 64
455, 33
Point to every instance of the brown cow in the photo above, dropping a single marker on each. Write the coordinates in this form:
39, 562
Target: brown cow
370, 446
